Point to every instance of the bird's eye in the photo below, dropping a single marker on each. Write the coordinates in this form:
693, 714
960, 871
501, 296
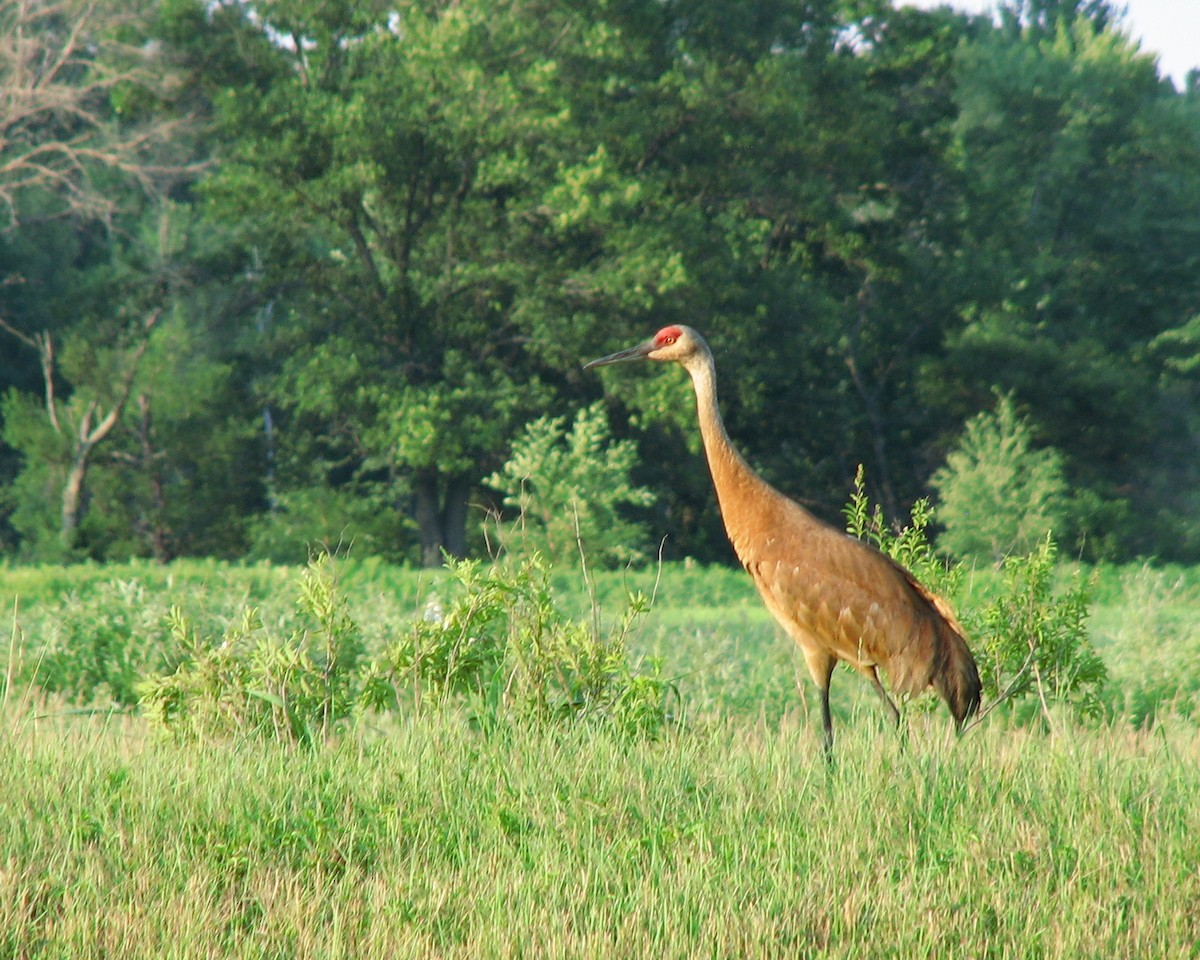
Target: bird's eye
668, 340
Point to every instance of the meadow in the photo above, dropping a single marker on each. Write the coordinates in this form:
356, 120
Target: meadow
725, 834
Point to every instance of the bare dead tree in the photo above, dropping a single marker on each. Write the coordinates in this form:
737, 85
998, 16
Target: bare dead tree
86, 425
60, 61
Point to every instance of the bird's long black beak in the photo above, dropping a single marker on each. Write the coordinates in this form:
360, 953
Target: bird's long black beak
621, 356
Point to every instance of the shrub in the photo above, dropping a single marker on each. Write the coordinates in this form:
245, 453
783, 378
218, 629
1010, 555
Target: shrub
567, 488
254, 683
503, 646
1027, 637
97, 642
1034, 639
997, 495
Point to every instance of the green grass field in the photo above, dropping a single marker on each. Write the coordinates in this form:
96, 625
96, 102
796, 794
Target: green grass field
727, 836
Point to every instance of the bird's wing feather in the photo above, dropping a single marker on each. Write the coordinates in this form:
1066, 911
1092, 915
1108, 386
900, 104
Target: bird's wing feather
832, 591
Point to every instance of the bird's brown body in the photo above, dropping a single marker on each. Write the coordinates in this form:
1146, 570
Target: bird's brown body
838, 598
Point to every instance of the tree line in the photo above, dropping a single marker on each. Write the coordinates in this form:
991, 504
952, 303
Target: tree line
276, 273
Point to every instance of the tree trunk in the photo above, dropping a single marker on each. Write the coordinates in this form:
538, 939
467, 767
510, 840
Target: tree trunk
154, 518
72, 499
454, 515
428, 528
441, 517
870, 395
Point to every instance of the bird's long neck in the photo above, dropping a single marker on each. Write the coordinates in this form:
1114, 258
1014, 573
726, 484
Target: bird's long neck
740, 491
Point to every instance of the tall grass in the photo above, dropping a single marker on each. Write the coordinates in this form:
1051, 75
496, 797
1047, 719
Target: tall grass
425, 835
433, 841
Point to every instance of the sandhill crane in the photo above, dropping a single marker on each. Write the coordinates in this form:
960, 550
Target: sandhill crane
837, 597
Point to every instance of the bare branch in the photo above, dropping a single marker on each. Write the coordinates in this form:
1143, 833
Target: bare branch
83, 431
23, 337
44, 345
60, 61
110, 419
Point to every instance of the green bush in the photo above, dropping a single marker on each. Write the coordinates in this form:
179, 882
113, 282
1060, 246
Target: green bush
567, 489
96, 643
1028, 636
254, 683
501, 648
1033, 638
997, 495
86, 633
502, 645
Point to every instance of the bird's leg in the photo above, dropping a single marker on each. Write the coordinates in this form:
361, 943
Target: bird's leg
820, 665
873, 675
826, 722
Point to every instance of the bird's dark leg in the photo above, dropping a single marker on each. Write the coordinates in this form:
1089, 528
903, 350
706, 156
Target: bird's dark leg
897, 721
820, 665
827, 722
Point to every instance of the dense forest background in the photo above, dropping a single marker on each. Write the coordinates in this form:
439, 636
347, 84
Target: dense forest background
281, 272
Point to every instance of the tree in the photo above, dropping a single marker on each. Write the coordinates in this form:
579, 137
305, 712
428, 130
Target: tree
422, 216
74, 75
452, 205
422, 196
139, 432
1081, 185
786, 207
82, 423
94, 134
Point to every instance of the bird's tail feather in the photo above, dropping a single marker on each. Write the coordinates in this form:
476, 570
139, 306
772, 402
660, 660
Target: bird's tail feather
958, 681
955, 676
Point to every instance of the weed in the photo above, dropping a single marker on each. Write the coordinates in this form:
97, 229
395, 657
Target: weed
251, 682
504, 646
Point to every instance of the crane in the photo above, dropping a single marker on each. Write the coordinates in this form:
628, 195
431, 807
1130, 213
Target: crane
838, 598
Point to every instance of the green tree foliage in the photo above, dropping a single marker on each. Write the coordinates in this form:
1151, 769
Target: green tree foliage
567, 489
422, 168
335, 520
998, 494
104, 285
416, 219
1079, 219
110, 464
472, 193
